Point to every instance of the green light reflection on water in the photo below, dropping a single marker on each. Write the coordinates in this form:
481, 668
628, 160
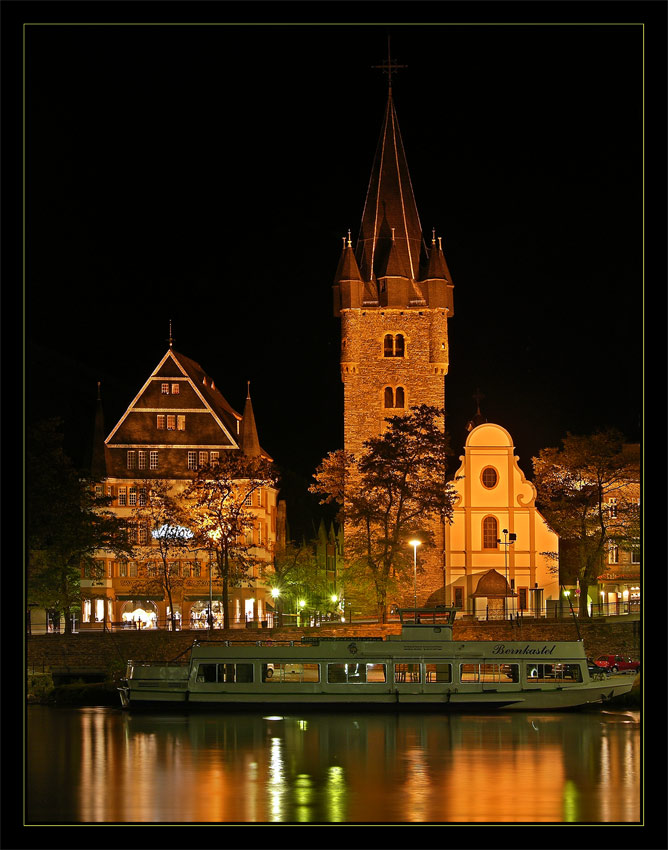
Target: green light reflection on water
571, 797
336, 794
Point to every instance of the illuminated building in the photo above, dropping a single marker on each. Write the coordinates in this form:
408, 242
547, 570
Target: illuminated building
178, 422
488, 571
619, 583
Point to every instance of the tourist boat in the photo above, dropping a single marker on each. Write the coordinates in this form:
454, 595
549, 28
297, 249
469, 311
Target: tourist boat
421, 668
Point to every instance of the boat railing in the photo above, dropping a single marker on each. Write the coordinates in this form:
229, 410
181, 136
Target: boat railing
439, 616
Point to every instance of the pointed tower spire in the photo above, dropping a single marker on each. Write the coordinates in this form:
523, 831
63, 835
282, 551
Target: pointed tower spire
171, 338
250, 445
389, 204
98, 467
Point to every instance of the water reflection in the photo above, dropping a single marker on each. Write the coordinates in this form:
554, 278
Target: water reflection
103, 765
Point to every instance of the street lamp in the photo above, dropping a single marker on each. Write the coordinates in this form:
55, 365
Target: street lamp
415, 544
508, 540
210, 617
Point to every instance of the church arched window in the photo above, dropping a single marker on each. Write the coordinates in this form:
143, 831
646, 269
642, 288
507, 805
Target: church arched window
389, 397
399, 346
399, 397
388, 346
490, 533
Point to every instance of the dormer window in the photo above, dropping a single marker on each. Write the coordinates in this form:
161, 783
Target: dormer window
393, 345
164, 389
175, 389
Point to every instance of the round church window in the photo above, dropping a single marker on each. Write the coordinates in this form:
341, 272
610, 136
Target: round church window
489, 477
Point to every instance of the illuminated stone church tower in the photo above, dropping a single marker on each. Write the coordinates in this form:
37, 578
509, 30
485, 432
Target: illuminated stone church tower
394, 295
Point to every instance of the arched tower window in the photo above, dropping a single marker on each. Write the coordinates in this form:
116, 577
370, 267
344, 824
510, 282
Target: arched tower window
490, 533
394, 398
393, 345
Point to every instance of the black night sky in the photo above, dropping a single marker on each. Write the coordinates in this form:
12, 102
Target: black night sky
207, 174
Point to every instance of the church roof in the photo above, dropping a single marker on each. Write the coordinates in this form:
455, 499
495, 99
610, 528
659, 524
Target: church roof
390, 212
347, 268
437, 268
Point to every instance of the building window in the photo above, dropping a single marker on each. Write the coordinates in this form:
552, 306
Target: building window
612, 508
132, 497
489, 477
215, 456
393, 345
394, 398
197, 569
203, 458
131, 459
161, 422
175, 389
171, 422
192, 460
122, 497
635, 555
490, 533
86, 610
143, 534
613, 553
123, 569
181, 422
164, 389
142, 496
459, 597
522, 593
133, 569
142, 459
153, 460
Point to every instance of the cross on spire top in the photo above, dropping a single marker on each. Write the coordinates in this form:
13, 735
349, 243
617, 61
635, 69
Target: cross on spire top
390, 66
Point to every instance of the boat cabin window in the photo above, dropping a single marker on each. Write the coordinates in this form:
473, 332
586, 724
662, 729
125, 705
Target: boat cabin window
436, 673
284, 672
355, 673
227, 673
499, 673
407, 673
553, 672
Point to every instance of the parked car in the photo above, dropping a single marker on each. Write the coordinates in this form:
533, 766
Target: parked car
615, 663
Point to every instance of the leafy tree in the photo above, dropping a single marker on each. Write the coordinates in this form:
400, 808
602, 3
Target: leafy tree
219, 513
161, 514
298, 575
575, 483
66, 521
395, 490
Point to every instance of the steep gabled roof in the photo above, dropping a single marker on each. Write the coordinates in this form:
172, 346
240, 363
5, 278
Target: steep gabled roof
207, 397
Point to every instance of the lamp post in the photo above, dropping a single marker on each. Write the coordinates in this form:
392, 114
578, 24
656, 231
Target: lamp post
275, 593
210, 617
508, 540
414, 544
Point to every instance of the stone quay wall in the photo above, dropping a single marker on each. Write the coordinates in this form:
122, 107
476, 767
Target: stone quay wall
105, 654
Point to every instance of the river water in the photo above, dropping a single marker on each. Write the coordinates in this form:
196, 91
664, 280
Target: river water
103, 765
